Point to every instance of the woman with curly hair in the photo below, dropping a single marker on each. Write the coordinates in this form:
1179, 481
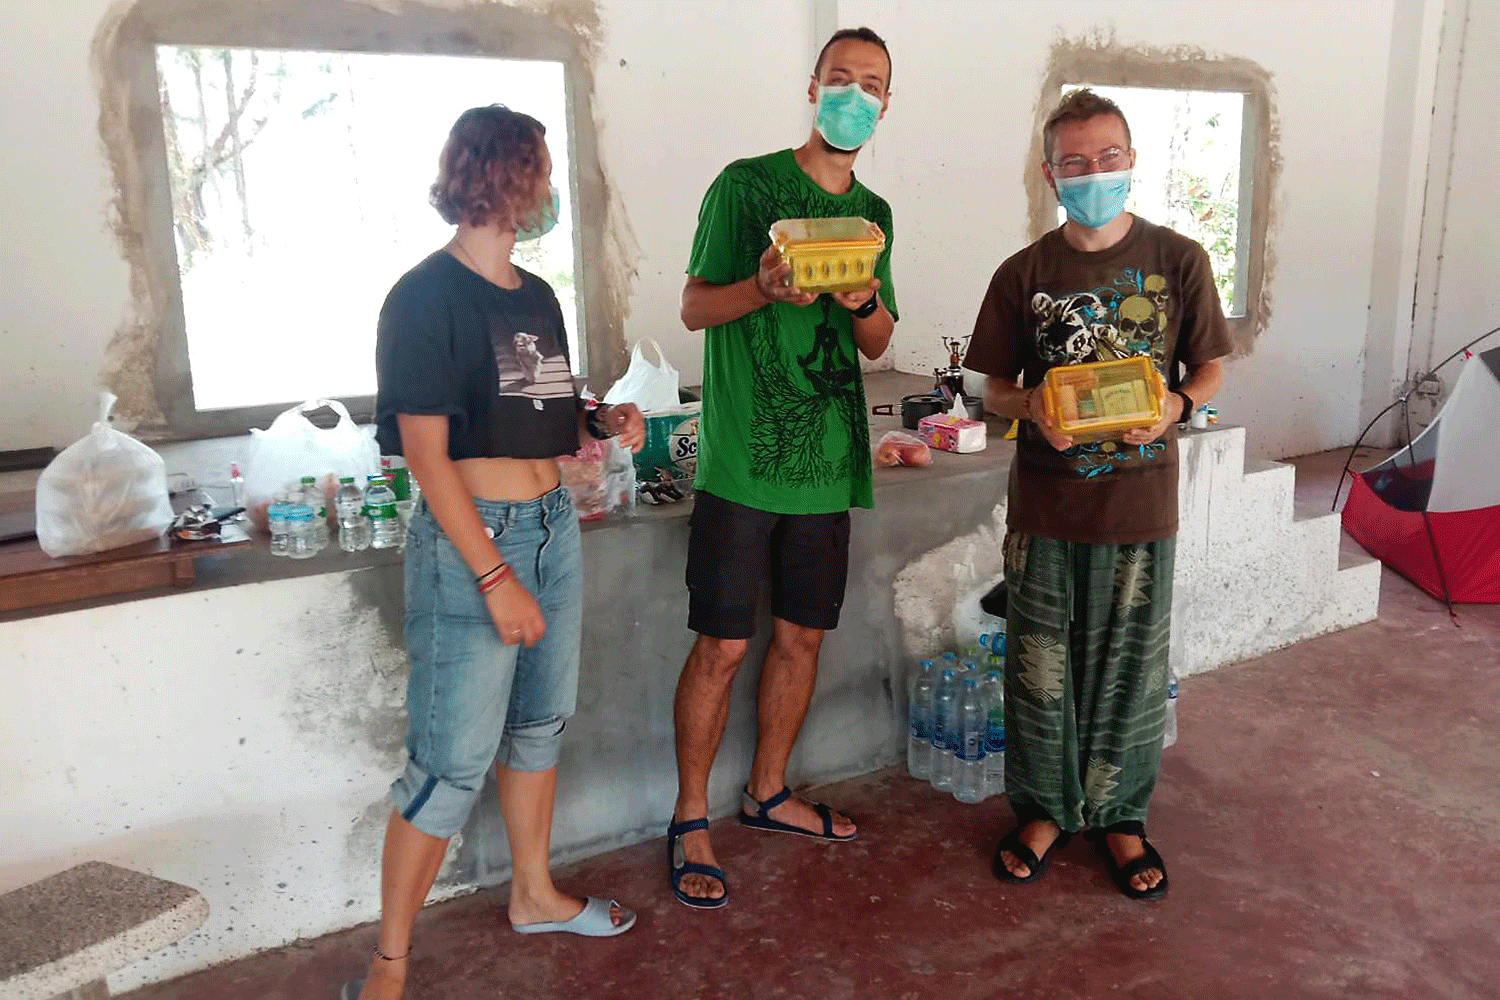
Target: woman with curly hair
476, 390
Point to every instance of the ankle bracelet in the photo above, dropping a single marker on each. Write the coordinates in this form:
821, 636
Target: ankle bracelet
389, 958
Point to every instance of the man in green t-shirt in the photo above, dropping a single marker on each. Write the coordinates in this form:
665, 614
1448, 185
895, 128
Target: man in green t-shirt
783, 451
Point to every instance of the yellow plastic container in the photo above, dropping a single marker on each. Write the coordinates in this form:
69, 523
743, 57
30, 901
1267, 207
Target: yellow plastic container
829, 255
1101, 400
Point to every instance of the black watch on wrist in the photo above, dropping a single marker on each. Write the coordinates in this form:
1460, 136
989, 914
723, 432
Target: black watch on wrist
868, 309
1187, 407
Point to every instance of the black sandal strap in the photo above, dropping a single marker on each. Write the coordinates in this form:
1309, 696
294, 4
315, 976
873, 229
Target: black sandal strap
771, 803
1012, 842
675, 830
1129, 828
827, 816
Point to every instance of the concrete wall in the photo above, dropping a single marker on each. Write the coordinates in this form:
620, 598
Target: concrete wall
949, 156
248, 754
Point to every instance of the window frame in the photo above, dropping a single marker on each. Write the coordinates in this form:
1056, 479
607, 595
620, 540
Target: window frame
144, 206
1258, 140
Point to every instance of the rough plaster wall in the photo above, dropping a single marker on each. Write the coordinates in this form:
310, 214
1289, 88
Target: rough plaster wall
272, 743
1463, 291
958, 136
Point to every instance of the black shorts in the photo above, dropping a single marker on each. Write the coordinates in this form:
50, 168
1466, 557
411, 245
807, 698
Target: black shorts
729, 549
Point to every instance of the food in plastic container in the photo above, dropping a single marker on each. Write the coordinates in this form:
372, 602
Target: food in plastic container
829, 255
1102, 400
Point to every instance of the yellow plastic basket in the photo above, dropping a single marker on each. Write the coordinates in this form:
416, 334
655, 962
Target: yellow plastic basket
829, 255
1101, 400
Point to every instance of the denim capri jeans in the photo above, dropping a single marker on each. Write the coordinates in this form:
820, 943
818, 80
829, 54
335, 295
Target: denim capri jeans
473, 701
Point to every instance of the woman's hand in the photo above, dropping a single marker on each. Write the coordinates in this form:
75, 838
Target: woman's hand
625, 422
517, 616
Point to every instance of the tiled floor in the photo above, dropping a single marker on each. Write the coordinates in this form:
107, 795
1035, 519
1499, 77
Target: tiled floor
1331, 820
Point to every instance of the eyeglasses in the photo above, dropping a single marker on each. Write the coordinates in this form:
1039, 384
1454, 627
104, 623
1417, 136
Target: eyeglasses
1113, 158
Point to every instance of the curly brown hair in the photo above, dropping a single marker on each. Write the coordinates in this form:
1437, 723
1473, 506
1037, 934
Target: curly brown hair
493, 168
1079, 106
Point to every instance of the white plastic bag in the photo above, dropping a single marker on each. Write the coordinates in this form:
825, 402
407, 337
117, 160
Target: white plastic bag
292, 447
106, 490
652, 387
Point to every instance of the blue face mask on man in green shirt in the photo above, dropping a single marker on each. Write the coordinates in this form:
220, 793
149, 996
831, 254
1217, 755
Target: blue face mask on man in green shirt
847, 116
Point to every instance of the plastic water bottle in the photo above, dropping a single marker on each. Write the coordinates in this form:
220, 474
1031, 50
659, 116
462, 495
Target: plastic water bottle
302, 539
994, 642
1169, 737
919, 744
276, 521
237, 489
380, 504
949, 659
993, 690
944, 730
968, 783
316, 502
354, 526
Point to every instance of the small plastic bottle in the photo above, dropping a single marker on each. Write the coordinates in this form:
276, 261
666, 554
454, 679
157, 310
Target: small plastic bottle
276, 521
944, 730
237, 489
919, 742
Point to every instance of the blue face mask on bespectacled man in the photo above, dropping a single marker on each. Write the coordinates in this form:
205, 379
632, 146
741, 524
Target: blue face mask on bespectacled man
544, 221
1094, 200
846, 116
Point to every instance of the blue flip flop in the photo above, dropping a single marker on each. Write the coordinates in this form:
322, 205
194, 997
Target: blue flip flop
592, 921
352, 990
677, 869
761, 820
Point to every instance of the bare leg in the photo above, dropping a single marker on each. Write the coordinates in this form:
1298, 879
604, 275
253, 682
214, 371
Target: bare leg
409, 865
526, 799
786, 690
700, 713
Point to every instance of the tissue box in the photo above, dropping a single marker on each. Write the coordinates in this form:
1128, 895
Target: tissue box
949, 432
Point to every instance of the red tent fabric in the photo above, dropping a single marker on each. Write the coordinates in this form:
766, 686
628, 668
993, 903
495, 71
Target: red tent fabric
1468, 542
1431, 511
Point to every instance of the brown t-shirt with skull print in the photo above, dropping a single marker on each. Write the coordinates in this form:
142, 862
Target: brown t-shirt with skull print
1152, 293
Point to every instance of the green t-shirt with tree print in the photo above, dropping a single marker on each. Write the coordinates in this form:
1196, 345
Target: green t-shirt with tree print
783, 428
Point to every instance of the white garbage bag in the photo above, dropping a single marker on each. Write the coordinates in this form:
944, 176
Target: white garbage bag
105, 491
293, 447
652, 387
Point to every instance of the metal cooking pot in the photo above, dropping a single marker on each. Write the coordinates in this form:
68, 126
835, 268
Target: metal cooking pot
926, 404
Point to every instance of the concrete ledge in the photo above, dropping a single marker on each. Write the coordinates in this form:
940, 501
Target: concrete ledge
76, 927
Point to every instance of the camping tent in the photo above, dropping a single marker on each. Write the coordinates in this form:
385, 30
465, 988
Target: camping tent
1431, 512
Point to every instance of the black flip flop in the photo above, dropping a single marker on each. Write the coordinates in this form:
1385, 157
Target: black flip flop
676, 871
1122, 874
1012, 842
761, 819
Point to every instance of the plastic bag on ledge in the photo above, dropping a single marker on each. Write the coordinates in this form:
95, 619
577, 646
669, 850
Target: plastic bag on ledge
293, 447
652, 387
105, 491
901, 448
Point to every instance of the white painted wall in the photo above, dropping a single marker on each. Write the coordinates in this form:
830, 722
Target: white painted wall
723, 83
1461, 287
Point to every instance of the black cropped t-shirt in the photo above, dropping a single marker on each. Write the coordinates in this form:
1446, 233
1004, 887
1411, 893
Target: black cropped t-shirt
493, 360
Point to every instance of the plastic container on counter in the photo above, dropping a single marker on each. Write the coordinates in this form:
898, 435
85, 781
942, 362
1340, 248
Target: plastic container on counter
1101, 400
829, 255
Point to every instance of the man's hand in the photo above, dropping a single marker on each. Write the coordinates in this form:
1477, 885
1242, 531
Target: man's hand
771, 280
625, 422
1044, 423
1171, 414
853, 300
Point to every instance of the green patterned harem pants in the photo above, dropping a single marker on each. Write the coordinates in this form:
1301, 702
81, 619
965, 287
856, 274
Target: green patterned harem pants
1088, 627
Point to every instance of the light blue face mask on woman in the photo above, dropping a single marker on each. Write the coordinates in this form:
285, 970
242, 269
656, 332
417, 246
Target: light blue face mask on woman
543, 221
1094, 200
846, 116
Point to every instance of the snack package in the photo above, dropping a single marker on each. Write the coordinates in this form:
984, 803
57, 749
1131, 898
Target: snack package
901, 448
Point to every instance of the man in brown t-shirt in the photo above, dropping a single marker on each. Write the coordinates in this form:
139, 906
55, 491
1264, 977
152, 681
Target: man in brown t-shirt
1091, 525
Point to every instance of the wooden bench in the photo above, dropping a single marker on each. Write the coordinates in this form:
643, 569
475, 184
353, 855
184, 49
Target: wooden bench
61, 936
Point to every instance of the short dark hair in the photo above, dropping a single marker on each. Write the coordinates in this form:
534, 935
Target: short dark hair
1079, 106
859, 35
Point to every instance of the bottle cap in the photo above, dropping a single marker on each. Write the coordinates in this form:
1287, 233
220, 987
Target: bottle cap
234, 470
309, 479
926, 663
970, 682
995, 674
346, 479
949, 673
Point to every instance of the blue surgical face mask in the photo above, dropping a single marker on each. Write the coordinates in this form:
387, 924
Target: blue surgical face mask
543, 221
1094, 200
846, 116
